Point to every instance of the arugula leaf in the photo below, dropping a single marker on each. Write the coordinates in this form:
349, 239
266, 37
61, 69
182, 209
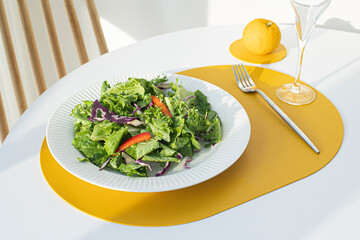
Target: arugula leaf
214, 134
200, 102
211, 115
187, 150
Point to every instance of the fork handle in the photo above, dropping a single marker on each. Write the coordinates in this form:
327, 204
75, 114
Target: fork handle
288, 120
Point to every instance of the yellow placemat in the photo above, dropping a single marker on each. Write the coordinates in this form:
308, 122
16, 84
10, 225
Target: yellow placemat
238, 50
275, 157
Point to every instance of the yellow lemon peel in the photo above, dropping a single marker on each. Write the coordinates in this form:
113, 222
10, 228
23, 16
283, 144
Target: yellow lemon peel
261, 36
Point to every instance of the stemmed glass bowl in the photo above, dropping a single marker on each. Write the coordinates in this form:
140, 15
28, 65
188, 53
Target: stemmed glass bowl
306, 12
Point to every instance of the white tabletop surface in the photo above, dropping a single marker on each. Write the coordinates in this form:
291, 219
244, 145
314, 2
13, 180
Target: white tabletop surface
325, 205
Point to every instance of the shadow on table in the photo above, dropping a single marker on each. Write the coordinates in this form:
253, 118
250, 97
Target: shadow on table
267, 217
339, 24
26, 147
337, 70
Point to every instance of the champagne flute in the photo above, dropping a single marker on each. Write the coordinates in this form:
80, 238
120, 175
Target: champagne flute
307, 12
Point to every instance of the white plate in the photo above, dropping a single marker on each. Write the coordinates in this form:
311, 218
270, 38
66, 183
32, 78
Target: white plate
205, 165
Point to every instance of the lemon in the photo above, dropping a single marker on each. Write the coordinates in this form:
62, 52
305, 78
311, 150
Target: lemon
261, 36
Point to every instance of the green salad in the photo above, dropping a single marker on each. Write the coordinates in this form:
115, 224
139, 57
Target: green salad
140, 121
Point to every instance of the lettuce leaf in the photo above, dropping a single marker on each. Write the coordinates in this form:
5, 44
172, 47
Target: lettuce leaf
138, 150
166, 151
158, 80
200, 102
105, 86
192, 126
197, 123
213, 136
186, 131
132, 86
179, 142
117, 163
158, 123
92, 150
187, 149
102, 130
176, 106
155, 157
82, 112
112, 142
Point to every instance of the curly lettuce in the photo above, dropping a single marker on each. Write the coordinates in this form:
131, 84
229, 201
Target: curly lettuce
191, 126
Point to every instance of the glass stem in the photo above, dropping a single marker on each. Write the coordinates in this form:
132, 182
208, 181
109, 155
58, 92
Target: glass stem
301, 48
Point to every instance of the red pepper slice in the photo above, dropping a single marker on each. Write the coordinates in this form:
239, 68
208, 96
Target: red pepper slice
161, 105
135, 139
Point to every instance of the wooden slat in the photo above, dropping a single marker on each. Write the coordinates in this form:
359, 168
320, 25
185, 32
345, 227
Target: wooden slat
4, 129
31, 44
75, 28
99, 34
11, 59
54, 41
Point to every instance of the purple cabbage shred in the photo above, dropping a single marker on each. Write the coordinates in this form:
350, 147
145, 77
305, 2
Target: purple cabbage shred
143, 164
186, 163
106, 114
137, 109
167, 165
104, 164
188, 98
150, 104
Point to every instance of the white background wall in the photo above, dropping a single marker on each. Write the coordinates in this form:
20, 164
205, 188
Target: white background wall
128, 21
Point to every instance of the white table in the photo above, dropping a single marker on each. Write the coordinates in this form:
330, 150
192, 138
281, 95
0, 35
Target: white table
325, 205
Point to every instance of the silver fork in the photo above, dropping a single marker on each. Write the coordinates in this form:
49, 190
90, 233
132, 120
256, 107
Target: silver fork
247, 85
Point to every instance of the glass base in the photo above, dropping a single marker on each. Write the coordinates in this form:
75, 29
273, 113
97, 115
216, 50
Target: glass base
295, 95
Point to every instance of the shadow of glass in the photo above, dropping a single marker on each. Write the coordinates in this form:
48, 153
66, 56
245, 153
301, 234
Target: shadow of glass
339, 24
289, 37
337, 70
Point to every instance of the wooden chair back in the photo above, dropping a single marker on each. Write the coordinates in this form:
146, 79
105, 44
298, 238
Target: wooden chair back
32, 47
